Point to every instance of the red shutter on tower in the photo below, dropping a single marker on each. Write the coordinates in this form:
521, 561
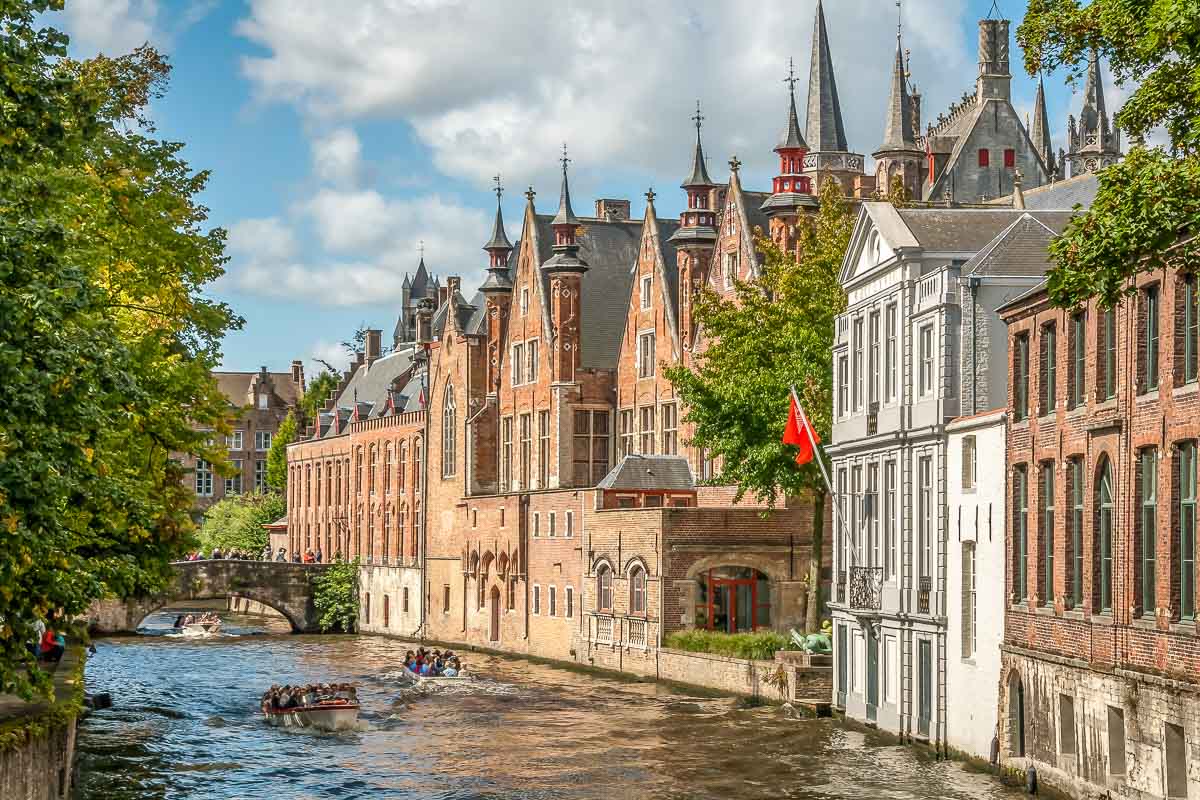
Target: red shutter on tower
1010, 158
983, 157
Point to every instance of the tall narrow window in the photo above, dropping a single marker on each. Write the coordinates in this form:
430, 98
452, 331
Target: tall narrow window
890, 350
1010, 158
1020, 535
1049, 366
857, 367
646, 355
1109, 353
1078, 380
531, 360
1021, 377
518, 364
1075, 537
1187, 531
1190, 324
871, 516
591, 447
417, 454
543, 449
371, 467
1147, 533
670, 426
925, 516
968, 463
449, 432
204, 478
233, 484
873, 365
843, 390
647, 282
626, 432
889, 520
1046, 595
926, 382
506, 454
1102, 591
983, 157
646, 431
402, 466
358, 471
968, 599
1150, 339
637, 591
604, 588
526, 429
387, 473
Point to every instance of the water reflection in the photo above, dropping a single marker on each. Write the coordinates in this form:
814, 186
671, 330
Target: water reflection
184, 725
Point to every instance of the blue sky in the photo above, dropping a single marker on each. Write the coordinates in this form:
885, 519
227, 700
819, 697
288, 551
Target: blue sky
340, 135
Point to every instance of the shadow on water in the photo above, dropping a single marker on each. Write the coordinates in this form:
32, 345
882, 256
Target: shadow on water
185, 725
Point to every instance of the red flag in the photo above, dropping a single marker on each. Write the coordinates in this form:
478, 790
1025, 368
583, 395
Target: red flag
799, 431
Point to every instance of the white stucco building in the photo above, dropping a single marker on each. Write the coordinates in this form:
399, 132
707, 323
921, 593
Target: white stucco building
975, 492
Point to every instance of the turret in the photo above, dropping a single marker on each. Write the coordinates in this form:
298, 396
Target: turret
899, 155
697, 223
565, 269
790, 189
497, 289
1094, 144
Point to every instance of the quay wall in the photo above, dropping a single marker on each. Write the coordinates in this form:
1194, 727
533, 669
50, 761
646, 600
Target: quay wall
37, 740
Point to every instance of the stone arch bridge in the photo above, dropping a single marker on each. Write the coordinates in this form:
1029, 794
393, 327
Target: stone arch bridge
284, 586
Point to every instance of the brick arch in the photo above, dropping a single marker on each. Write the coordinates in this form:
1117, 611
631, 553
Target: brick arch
634, 561
761, 563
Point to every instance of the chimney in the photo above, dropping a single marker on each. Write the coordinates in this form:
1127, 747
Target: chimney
298, 373
373, 344
611, 209
994, 77
453, 284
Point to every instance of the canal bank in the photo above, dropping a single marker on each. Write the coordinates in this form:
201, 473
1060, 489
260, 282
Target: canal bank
37, 740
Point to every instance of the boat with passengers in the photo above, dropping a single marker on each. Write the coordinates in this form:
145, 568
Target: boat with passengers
327, 707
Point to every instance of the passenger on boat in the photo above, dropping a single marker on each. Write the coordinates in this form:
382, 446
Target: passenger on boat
178, 622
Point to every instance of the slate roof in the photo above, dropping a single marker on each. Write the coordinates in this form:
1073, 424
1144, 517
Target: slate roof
370, 383
610, 248
967, 230
1078, 191
650, 473
236, 386
754, 212
1040, 288
1019, 250
825, 131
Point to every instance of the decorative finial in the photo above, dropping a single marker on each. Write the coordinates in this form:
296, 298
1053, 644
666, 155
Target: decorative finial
1017, 177
564, 158
499, 190
735, 163
899, 19
698, 118
650, 195
421, 248
791, 80
529, 194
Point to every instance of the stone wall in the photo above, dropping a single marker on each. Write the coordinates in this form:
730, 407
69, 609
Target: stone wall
390, 600
1088, 732
39, 769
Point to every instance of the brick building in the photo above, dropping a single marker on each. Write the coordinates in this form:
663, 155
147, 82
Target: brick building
262, 400
1101, 657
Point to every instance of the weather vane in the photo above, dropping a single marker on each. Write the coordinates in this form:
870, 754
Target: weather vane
791, 80
499, 190
698, 117
421, 248
564, 158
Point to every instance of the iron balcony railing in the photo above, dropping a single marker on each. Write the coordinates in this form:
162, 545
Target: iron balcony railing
866, 588
923, 590
841, 586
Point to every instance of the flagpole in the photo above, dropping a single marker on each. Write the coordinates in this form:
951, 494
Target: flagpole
837, 506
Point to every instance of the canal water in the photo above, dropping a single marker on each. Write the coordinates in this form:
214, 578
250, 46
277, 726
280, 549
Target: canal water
184, 725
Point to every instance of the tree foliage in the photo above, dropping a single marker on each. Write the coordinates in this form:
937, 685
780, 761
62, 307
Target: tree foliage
106, 341
1147, 205
318, 391
277, 455
775, 333
335, 595
236, 522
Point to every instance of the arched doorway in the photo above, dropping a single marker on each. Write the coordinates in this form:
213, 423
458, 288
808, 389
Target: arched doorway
1016, 714
494, 634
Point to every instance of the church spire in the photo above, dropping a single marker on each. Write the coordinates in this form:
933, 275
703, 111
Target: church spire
1093, 96
791, 138
565, 215
566, 249
825, 131
1094, 144
1039, 133
898, 127
699, 177
498, 249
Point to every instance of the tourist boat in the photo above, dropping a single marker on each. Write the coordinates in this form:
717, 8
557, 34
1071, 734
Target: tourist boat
326, 715
434, 680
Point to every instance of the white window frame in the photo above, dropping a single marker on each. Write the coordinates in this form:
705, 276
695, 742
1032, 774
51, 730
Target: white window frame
537, 600
531, 361
926, 366
204, 478
569, 600
235, 441
524, 301
518, 363
645, 367
570, 523
260, 475
647, 285
646, 435
537, 525
262, 441
233, 484
553, 520
264, 401
552, 601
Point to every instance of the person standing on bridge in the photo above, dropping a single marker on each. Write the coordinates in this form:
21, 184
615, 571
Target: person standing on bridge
282, 555
317, 555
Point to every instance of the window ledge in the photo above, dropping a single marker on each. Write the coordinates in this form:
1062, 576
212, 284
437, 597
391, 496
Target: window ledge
1150, 396
1102, 618
1191, 387
1073, 613
1045, 611
1187, 627
1146, 622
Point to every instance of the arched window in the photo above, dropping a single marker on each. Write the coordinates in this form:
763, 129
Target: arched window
637, 590
416, 526
403, 465
449, 432
358, 470
371, 471
370, 532
401, 516
318, 487
337, 492
604, 588
387, 468
1102, 572
328, 482
417, 464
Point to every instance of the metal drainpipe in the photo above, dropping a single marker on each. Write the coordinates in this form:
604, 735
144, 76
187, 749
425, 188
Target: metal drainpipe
973, 282
425, 500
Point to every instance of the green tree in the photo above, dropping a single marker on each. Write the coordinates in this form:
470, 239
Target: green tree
1149, 204
775, 333
104, 335
277, 456
318, 391
236, 523
335, 595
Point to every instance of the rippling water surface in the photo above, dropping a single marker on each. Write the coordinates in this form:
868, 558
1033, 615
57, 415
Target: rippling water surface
184, 724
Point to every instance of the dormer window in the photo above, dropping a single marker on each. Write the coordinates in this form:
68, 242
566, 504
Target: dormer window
263, 401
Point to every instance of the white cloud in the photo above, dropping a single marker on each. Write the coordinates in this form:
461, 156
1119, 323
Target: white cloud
329, 352
337, 157
267, 239
114, 27
490, 86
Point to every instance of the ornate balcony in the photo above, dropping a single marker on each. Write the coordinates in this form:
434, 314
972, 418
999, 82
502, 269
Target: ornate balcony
923, 590
841, 586
866, 588
873, 419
